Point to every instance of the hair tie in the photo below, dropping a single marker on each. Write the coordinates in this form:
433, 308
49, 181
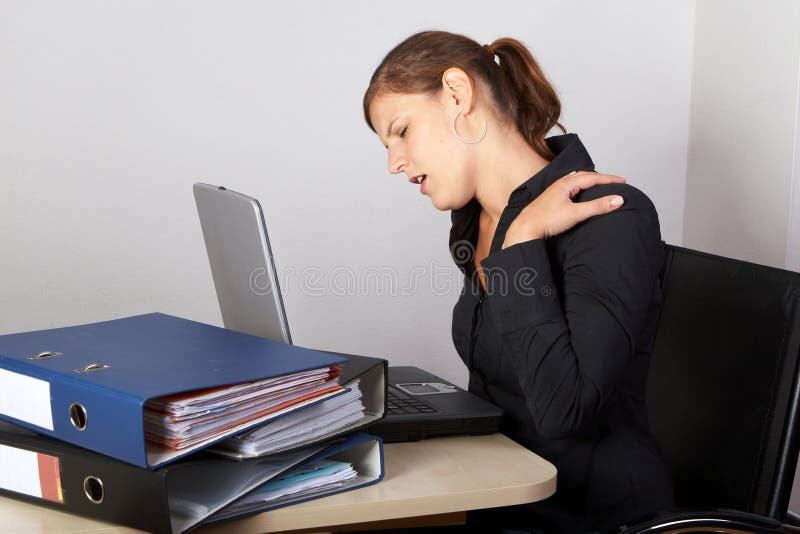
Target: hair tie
492, 54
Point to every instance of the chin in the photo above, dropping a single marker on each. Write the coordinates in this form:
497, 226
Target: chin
441, 205
448, 204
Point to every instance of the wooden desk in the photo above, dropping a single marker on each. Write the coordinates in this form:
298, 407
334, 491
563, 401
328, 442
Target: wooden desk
432, 481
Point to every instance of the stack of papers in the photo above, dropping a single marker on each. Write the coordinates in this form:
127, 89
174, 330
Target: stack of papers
329, 417
318, 478
186, 419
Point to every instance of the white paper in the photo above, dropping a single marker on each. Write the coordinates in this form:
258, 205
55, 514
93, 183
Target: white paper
302, 426
19, 471
25, 398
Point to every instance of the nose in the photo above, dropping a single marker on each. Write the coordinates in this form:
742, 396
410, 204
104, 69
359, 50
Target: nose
397, 161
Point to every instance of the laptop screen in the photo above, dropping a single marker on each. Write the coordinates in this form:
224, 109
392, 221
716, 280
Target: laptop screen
241, 262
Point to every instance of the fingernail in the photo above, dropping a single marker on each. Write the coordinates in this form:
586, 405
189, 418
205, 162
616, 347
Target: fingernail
616, 201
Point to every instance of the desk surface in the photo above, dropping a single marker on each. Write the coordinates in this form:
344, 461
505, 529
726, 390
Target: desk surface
423, 478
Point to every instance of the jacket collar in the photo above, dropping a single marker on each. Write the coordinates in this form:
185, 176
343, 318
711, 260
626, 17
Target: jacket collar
570, 155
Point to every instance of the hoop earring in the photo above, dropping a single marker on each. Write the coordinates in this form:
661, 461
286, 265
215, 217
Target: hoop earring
468, 141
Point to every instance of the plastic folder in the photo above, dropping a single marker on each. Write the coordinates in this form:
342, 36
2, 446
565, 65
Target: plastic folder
88, 384
363, 451
173, 498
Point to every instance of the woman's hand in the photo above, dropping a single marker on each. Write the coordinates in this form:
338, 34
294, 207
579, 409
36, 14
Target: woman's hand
554, 212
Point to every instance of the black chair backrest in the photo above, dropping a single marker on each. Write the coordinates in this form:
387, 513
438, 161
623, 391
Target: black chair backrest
723, 388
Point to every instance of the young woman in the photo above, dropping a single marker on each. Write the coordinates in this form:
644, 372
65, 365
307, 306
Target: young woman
561, 265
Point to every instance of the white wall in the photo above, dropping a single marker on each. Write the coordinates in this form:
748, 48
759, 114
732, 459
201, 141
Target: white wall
109, 111
743, 123
793, 234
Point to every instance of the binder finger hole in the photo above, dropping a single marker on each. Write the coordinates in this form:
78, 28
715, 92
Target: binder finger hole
93, 488
77, 414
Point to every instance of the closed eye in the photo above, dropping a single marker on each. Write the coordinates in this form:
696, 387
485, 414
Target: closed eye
401, 135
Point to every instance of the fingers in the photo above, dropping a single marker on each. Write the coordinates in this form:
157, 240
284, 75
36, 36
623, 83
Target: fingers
577, 181
598, 206
595, 174
562, 213
585, 180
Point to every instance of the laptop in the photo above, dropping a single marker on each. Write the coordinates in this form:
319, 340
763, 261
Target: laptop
420, 404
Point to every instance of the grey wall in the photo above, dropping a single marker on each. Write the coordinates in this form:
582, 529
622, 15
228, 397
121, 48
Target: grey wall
743, 123
109, 111
793, 234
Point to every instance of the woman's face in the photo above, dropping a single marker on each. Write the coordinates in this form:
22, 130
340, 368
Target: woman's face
416, 131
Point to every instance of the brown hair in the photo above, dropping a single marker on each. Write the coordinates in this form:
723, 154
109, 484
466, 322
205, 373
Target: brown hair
517, 86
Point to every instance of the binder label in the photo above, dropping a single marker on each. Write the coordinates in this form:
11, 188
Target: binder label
25, 398
31, 473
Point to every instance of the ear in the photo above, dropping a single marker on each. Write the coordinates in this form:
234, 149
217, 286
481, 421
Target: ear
458, 90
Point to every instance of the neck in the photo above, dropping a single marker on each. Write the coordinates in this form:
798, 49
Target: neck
506, 162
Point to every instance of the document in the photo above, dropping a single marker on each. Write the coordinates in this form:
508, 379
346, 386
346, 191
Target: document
186, 419
318, 478
195, 493
345, 464
324, 419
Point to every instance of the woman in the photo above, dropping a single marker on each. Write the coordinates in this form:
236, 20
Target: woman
561, 266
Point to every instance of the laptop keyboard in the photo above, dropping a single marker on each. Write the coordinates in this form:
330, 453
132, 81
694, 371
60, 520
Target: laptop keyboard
400, 406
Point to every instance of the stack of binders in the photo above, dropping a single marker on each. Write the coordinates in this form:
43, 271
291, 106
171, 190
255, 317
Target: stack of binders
192, 423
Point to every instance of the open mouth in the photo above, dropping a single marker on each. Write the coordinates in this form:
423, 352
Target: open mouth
418, 179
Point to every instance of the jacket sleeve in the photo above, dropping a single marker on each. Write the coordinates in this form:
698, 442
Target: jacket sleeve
571, 340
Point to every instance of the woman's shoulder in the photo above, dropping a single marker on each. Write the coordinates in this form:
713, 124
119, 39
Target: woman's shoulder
634, 199
625, 190
635, 220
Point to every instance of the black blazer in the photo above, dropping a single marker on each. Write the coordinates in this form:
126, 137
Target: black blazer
561, 340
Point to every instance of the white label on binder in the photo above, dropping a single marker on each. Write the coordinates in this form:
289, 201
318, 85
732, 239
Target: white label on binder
19, 471
25, 398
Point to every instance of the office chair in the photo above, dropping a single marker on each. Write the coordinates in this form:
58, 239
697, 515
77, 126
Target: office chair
723, 393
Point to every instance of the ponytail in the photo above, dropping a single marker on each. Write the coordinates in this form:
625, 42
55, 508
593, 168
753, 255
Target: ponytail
517, 87
525, 95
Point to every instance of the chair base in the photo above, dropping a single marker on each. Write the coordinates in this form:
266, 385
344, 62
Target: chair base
730, 521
